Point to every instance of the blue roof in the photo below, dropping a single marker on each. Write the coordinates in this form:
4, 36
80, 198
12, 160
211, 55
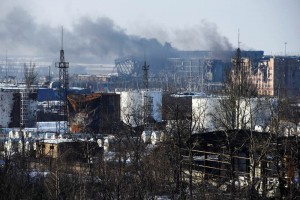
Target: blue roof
50, 94
47, 94
78, 90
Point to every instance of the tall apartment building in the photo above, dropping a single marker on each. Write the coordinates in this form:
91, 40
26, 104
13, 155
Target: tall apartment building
277, 76
273, 76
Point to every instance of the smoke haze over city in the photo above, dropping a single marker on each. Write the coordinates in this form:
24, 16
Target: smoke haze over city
34, 29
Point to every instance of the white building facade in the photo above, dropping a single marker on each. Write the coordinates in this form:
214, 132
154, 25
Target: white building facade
132, 106
210, 114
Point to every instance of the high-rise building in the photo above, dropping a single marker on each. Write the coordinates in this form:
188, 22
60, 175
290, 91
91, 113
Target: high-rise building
277, 76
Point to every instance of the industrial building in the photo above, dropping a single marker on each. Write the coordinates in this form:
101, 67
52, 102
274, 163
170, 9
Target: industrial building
196, 74
185, 71
17, 105
93, 113
207, 113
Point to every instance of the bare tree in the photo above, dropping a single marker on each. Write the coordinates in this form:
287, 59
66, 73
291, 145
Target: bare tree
241, 109
30, 74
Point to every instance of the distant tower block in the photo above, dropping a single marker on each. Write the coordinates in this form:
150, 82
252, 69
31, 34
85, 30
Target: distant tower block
63, 91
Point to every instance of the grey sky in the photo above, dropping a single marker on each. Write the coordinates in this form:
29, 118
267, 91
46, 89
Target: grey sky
189, 25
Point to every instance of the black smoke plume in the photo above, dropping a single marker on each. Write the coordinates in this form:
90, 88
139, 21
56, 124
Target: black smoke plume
93, 41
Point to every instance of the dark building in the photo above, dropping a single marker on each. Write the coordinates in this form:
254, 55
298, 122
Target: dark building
93, 113
176, 107
22, 113
227, 156
80, 151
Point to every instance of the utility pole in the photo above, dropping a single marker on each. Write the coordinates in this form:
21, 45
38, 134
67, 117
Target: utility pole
49, 75
145, 76
6, 68
148, 100
285, 43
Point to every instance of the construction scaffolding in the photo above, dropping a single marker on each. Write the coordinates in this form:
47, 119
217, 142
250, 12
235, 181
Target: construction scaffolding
24, 108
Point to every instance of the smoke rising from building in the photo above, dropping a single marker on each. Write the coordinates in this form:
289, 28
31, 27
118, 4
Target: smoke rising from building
97, 41
205, 36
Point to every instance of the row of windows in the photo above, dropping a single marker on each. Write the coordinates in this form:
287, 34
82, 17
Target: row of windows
265, 92
263, 86
258, 80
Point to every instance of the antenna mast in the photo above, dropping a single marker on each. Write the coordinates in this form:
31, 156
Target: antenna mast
239, 38
285, 43
148, 100
145, 77
62, 124
62, 38
6, 68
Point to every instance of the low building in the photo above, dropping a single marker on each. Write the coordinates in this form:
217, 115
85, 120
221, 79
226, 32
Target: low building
249, 159
68, 149
178, 106
208, 113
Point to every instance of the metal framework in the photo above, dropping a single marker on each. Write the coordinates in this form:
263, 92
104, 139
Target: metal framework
148, 100
148, 107
190, 74
24, 108
145, 76
62, 124
127, 66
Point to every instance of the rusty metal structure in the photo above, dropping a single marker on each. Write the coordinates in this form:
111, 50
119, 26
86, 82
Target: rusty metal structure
93, 113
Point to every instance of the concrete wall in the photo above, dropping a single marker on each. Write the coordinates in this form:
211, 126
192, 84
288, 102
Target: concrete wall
10, 109
6, 104
203, 111
209, 114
